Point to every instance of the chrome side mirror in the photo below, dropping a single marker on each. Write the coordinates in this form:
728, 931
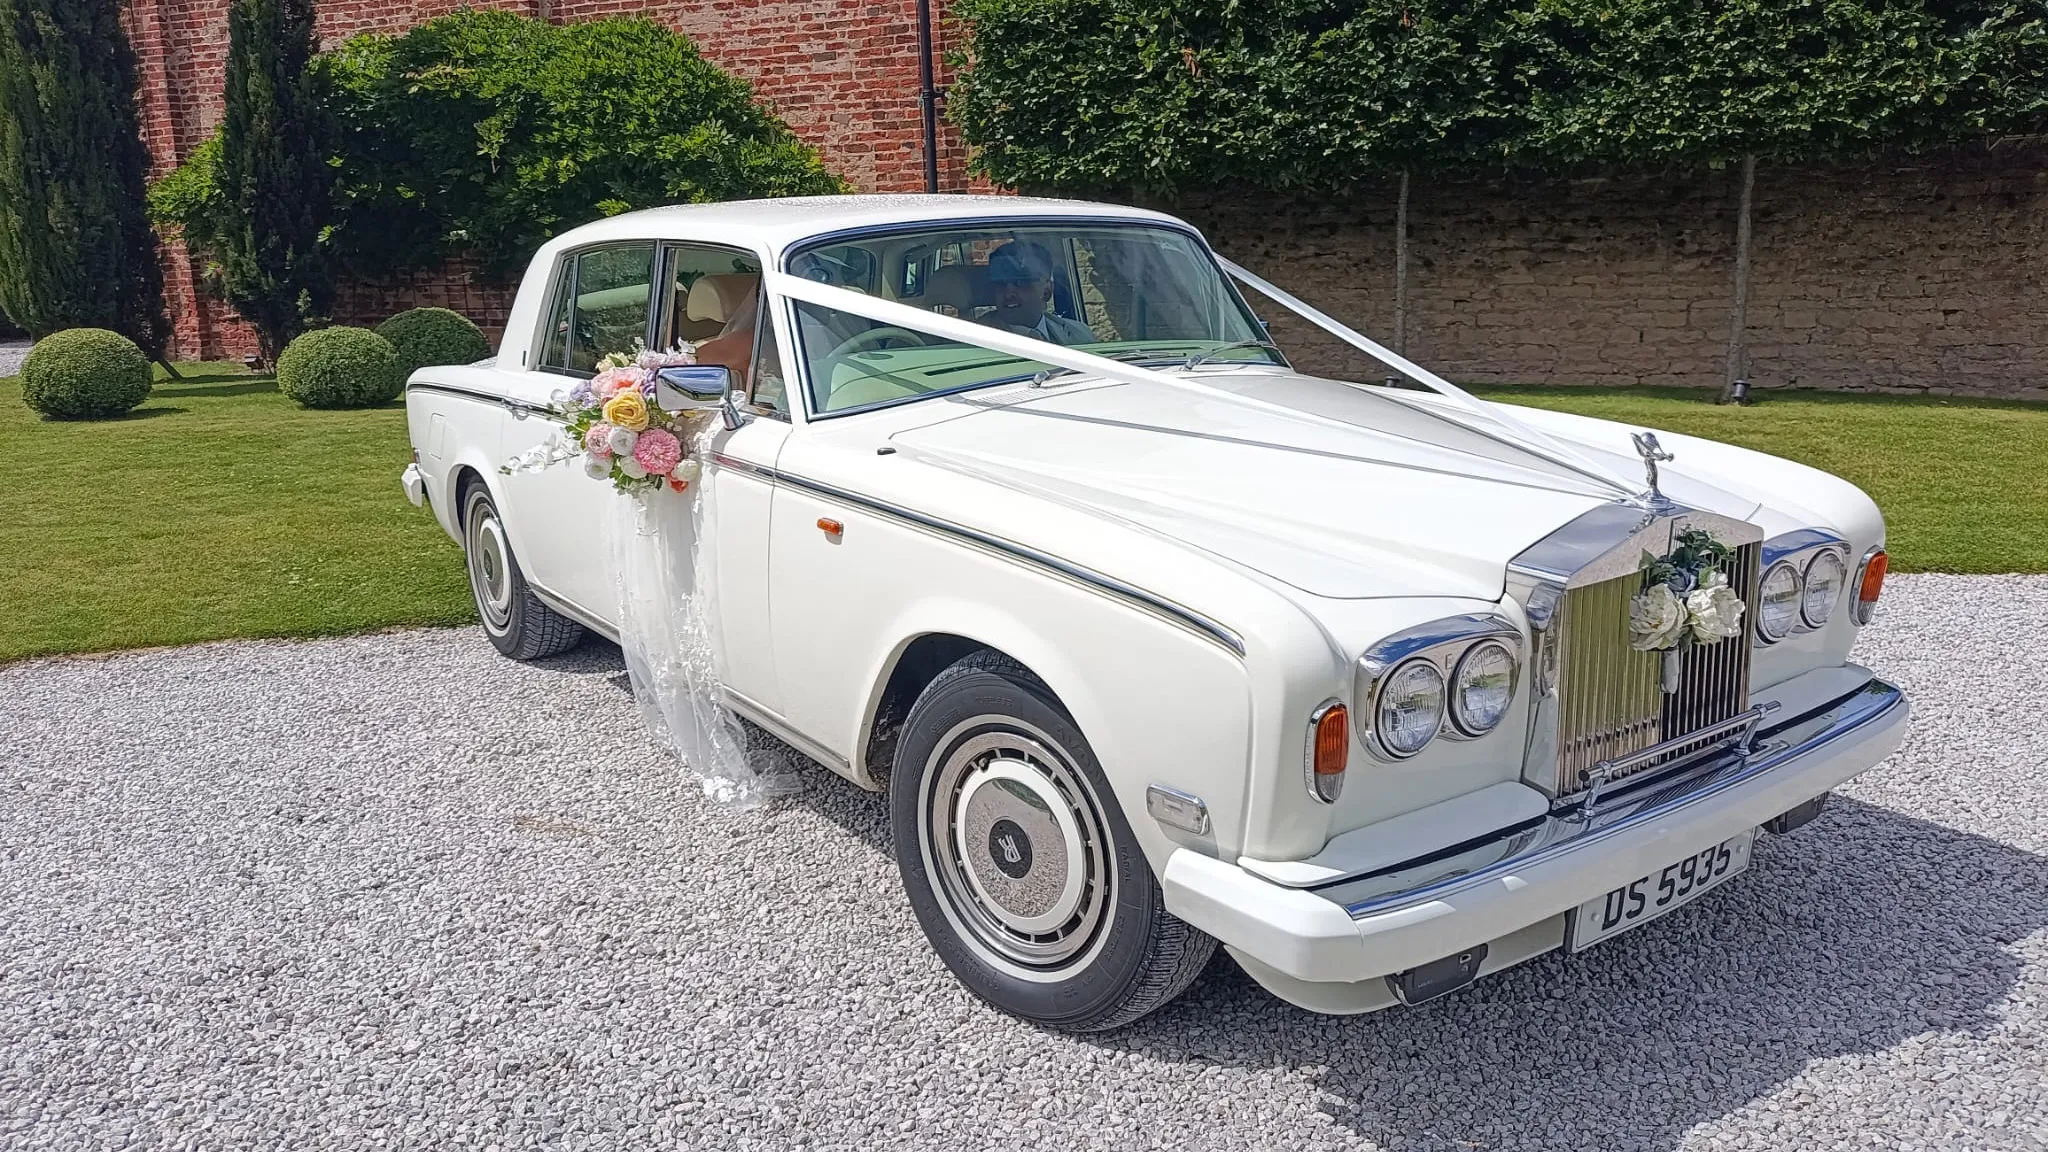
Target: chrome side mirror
700, 388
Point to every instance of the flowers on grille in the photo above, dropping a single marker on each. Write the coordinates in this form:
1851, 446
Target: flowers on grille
1686, 597
1656, 619
1713, 609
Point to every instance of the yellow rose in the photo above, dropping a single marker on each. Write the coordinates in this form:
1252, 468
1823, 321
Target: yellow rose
627, 410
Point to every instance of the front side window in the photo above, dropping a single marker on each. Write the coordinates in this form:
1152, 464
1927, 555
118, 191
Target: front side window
1131, 291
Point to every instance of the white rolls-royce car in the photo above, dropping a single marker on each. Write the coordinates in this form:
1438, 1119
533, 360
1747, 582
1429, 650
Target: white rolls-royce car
1155, 642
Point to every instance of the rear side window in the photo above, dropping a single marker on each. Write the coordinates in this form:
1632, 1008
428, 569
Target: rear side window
601, 307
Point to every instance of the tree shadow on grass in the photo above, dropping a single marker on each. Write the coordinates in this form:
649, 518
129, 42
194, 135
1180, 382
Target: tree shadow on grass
217, 385
1849, 936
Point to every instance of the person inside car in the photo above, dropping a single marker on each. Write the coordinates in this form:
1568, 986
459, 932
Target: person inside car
1020, 278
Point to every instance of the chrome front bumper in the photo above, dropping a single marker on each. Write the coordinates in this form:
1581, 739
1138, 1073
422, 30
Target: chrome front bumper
1508, 883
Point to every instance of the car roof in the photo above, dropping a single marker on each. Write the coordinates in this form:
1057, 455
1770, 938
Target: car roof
776, 225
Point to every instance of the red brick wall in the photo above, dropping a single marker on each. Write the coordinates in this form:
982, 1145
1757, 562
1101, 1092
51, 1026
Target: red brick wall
843, 73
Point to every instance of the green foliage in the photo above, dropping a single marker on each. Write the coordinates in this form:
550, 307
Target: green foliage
275, 185
489, 132
1145, 96
85, 374
76, 249
427, 336
340, 368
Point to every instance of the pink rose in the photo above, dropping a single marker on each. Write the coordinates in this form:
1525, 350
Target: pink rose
613, 381
658, 451
597, 441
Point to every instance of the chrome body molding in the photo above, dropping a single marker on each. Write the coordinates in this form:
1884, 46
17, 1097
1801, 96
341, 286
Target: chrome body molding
1442, 643
780, 729
1489, 858
1087, 577
520, 409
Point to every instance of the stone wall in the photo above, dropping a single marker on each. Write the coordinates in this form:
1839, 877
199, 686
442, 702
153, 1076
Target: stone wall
1930, 276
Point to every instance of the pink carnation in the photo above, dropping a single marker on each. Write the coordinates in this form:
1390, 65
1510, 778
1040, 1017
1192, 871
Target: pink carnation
596, 441
613, 381
658, 451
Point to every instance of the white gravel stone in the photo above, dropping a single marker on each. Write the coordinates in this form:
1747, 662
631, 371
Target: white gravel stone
12, 353
396, 892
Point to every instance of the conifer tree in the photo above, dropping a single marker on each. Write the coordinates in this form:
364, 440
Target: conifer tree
76, 249
275, 181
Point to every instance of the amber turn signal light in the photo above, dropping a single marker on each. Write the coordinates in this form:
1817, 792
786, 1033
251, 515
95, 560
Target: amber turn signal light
1872, 584
832, 528
1329, 750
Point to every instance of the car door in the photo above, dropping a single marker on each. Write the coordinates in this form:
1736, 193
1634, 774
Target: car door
561, 521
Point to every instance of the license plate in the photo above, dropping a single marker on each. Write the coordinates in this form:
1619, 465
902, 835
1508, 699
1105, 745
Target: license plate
1649, 897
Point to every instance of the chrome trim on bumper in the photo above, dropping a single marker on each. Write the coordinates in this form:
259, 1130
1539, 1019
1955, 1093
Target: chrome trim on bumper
1512, 849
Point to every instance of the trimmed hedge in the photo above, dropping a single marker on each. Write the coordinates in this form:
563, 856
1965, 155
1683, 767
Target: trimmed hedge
85, 374
424, 337
340, 368
1144, 96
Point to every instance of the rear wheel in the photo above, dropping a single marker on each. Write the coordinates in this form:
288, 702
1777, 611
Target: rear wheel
1018, 862
519, 624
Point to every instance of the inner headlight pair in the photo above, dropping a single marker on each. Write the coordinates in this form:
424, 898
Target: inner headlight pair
1800, 591
1455, 678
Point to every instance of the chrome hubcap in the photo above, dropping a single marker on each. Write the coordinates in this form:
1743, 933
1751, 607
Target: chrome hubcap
1019, 849
490, 575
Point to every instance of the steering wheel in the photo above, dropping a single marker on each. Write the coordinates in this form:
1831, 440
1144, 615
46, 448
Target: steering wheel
873, 339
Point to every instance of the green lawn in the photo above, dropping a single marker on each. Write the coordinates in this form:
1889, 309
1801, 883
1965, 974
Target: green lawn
220, 509
217, 509
1963, 483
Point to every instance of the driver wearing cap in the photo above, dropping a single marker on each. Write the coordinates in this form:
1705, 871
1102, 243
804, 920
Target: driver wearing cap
1020, 274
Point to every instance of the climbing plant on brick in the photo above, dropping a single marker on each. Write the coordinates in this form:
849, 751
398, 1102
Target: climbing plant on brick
1313, 95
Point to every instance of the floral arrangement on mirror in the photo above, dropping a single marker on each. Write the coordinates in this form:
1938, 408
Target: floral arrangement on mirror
1686, 599
613, 424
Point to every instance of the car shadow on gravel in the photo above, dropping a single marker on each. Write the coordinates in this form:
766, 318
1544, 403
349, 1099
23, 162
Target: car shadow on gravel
1850, 935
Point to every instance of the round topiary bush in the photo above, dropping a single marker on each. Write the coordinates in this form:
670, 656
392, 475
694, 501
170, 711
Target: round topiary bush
85, 374
429, 336
340, 368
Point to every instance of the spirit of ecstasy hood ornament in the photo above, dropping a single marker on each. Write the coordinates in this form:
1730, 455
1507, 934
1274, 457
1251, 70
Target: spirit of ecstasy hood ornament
1652, 453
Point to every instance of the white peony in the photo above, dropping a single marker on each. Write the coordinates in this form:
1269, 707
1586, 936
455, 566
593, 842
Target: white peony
622, 441
687, 471
632, 468
1714, 610
597, 467
1656, 619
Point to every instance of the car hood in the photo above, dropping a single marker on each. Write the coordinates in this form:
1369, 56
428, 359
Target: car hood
1335, 489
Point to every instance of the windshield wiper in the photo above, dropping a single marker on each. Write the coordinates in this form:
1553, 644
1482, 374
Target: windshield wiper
1198, 358
1142, 357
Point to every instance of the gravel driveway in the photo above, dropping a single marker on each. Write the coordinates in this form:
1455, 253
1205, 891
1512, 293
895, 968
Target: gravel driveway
394, 891
12, 353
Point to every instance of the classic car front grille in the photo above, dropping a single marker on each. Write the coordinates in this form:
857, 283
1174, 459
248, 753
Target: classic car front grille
1611, 700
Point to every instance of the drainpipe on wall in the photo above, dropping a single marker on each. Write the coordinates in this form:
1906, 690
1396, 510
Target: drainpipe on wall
927, 95
1736, 389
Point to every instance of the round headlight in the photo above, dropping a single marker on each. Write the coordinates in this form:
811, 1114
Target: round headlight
1778, 602
1825, 576
1481, 687
1410, 708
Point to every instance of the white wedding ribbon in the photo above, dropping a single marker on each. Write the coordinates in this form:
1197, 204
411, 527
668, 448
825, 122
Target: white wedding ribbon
1512, 432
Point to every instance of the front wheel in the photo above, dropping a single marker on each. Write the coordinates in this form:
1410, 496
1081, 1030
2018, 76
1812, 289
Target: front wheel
519, 624
1019, 863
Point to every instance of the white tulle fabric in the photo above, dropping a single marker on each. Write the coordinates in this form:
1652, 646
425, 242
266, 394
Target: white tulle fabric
664, 546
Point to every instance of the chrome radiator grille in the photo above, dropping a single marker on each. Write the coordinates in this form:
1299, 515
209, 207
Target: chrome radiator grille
1611, 700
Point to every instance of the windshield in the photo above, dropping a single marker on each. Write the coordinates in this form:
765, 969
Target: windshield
1130, 291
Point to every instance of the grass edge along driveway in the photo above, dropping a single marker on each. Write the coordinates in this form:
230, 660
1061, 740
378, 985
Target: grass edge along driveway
219, 509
